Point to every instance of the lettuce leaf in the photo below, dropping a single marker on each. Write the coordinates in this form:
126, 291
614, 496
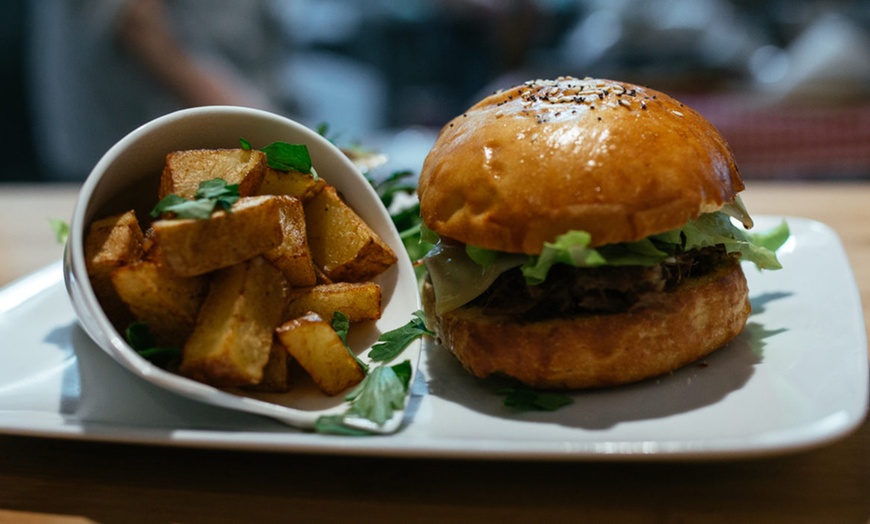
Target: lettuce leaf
572, 249
707, 230
716, 228
461, 274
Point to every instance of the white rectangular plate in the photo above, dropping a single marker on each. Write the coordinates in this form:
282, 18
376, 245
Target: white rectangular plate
796, 378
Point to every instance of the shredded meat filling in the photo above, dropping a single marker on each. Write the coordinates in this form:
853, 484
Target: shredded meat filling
607, 289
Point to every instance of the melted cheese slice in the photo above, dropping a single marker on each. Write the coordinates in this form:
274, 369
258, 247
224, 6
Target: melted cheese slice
457, 280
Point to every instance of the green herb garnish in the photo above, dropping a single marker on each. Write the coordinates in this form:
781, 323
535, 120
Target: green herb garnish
381, 393
392, 343
406, 219
286, 157
525, 399
322, 129
334, 425
392, 185
140, 338
211, 194
376, 398
384, 388
60, 229
341, 325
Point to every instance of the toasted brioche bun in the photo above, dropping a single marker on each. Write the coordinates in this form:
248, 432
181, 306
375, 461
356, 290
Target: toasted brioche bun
666, 331
616, 160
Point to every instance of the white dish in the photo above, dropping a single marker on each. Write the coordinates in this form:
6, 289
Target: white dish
797, 378
128, 176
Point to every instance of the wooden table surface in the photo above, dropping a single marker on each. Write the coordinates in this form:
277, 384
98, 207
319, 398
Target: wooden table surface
48, 480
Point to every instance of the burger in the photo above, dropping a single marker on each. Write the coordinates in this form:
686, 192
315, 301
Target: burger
587, 233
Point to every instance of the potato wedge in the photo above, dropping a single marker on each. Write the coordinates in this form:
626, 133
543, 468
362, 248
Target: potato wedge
184, 170
233, 336
193, 247
320, 351
358, 301
292, 256
167, 302
344, 247
292, 183
112, 242
277, 373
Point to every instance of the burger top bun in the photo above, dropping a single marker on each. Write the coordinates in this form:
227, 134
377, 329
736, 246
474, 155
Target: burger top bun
616, 160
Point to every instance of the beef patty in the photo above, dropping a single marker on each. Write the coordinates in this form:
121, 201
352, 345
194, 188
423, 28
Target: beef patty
607, 289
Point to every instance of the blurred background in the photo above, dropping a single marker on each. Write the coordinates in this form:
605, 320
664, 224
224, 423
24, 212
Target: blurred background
786, 81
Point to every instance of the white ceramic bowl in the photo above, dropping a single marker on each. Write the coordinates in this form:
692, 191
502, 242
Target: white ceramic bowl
127, 177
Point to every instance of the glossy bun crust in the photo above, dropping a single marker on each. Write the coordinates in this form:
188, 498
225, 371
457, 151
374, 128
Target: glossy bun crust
617, 160
666, 332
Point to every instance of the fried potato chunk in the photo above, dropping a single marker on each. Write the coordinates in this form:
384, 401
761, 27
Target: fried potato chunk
277, 373
167, 302
358, 301
292, 256
112, 242
320, 351
232, 339
292, 183
344, 247
193, 247
185, 170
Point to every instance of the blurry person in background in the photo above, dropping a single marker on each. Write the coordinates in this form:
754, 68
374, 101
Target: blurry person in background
101, 68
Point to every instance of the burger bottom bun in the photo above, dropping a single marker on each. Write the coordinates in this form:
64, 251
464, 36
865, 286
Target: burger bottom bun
669, 330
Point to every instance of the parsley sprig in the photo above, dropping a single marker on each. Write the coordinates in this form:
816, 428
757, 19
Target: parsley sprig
341, 324
60, 229
392, 343
381, 393
211, 194
140, 338
406, 219
286, 157
385, 387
